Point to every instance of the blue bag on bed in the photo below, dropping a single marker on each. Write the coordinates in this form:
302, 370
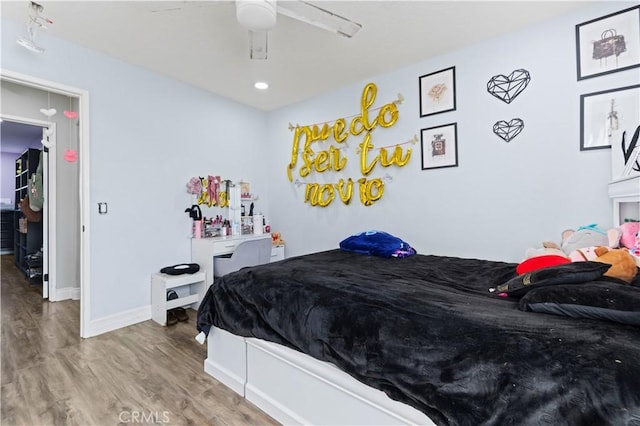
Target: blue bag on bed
377, 243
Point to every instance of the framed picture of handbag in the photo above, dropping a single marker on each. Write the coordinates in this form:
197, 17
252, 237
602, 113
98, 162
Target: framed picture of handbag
438, 92
439, 146
608, 44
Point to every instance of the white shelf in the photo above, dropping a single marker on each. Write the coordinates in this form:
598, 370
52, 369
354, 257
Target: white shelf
625, 194
193, 285
182, 301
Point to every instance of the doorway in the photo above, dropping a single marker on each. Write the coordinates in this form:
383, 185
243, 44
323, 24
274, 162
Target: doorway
23, 144
78, 99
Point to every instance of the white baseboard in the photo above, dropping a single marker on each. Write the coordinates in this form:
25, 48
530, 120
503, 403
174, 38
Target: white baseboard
119, 320
225, 376
273, 408
66, 294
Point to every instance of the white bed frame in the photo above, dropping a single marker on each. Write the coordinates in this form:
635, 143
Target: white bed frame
295, 388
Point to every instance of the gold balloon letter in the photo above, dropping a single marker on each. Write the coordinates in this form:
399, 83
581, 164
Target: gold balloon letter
315, 194
396, 158
345, 196
368, 98
365, 147
367, 187
296, 146
392, 109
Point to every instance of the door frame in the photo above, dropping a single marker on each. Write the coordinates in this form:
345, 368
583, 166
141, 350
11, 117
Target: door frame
84, 189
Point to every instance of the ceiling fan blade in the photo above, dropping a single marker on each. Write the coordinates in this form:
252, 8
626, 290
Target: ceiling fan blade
314, 15
171, 6
164, 6
258, 40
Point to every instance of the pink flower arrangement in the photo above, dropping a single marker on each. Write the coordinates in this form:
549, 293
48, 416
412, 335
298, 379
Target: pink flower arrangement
194, 186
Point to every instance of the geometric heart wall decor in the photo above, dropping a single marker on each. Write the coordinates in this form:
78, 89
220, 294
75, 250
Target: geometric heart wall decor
510, 130
508, 88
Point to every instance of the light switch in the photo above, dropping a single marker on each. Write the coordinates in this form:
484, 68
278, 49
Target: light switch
102, 208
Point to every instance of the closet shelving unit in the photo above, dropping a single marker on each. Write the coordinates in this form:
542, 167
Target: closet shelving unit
27, 237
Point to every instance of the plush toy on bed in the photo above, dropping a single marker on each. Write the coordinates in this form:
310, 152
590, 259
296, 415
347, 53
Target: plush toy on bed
537, 258
623, 266
584, 254
629, 234
576, 245
630, 239
589, 236
377, 243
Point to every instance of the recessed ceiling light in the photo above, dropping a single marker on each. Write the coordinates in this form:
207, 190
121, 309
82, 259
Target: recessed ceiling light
261, 85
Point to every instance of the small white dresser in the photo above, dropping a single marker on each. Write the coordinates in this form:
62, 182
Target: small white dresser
625, 194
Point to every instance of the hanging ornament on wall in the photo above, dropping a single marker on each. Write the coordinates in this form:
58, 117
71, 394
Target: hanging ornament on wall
48, 131
70, 155
35, 22
508, 131
507, 88
48, 111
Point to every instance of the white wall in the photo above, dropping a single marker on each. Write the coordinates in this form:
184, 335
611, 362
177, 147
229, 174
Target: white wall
148, 136
503, 197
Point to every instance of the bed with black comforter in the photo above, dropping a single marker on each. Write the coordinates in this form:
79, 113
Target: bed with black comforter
427, 331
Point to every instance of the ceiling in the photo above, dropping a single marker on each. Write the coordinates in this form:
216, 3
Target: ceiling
201, 42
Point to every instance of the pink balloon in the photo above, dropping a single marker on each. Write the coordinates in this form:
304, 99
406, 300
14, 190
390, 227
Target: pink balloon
70, 114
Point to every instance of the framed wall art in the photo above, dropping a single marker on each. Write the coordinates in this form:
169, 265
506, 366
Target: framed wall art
606, 115
608, 44
438, 92
439, 146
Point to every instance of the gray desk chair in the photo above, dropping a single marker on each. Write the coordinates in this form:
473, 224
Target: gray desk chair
247, 253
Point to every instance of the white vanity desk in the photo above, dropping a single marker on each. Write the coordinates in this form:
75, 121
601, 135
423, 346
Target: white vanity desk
203, 250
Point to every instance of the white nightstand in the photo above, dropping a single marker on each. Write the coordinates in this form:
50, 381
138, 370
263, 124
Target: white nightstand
189, 287
277, 253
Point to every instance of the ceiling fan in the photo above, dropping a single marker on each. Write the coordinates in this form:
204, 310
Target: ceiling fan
259, 16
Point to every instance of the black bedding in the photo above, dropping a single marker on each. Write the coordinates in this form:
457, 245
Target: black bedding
426, 331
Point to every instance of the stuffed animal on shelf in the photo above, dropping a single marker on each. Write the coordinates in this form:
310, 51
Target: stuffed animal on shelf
276, 238
623, 266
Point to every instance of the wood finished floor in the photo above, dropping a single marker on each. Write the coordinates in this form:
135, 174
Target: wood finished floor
142, 374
